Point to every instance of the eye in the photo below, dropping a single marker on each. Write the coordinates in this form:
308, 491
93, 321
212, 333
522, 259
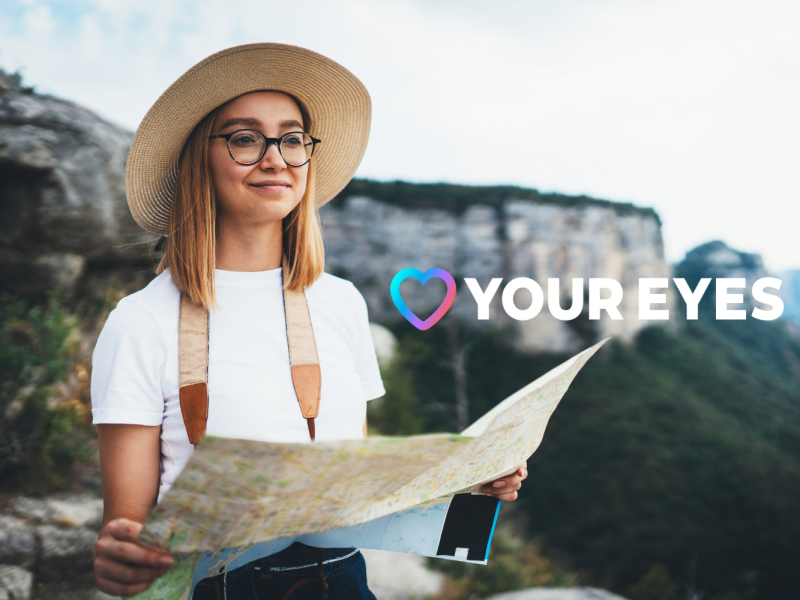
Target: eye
293, 141
244, 140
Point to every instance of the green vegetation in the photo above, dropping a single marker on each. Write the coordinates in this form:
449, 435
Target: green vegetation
671, 466
43, 421
457, 198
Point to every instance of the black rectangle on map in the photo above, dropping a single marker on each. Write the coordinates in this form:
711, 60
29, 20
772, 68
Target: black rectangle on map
469, 524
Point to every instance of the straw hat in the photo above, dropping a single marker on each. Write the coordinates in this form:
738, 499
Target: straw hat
337, 101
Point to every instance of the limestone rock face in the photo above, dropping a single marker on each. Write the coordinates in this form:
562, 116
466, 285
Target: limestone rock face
368, 242
62, 191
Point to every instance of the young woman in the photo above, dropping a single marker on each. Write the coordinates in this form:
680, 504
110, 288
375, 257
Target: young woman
231, 164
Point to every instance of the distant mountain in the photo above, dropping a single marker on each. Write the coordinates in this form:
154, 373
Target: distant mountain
790, 292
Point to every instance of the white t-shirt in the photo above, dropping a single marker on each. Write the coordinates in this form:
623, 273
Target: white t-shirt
251, 395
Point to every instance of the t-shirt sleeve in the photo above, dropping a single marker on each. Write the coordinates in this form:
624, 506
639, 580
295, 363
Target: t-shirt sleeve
366, 359
127, 367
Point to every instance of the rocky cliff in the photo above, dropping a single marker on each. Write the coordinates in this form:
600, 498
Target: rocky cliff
62, 191
495, 232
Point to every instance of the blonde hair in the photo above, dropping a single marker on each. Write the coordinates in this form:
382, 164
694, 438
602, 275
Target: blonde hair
190, 248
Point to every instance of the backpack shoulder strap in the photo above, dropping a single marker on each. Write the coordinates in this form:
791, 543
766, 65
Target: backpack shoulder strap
193, 362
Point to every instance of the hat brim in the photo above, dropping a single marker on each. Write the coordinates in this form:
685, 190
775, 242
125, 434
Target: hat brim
338, 103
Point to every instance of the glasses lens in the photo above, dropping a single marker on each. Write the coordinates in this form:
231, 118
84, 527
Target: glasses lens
296, 148
247, 146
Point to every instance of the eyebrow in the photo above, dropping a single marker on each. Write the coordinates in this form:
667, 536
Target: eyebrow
251, 122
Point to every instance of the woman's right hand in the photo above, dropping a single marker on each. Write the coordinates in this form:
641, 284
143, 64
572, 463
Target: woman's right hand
121, 566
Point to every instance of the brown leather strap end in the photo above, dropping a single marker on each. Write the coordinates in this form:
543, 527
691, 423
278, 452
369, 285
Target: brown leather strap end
194, 408
307, 381
311, 430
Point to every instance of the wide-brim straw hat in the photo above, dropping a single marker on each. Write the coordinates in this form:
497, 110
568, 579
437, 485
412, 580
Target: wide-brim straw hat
337, 102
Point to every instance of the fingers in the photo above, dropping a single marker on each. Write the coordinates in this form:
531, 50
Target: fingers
507, 486
118, 541
108, 565
501, 485
508, 497
500, 491
108, 568
125, 590
122, 529
122, 567
132, 554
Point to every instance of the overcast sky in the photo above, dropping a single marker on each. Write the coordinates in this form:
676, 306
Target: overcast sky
688, 106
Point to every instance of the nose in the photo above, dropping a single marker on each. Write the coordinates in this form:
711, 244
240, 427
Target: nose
272, 158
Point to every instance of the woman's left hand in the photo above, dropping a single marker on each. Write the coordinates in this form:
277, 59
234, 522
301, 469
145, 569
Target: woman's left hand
506, 487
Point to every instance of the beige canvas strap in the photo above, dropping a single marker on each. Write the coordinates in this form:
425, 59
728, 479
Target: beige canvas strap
193, 362
193, 367
306, 374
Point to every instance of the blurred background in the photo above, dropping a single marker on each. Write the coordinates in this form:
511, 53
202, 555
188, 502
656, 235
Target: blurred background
639, 139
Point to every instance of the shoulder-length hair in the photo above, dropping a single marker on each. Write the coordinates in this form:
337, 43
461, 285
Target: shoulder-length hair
190, 248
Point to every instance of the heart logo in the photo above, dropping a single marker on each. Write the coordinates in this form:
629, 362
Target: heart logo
423, 278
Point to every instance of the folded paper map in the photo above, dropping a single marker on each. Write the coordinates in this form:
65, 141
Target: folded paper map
239, 500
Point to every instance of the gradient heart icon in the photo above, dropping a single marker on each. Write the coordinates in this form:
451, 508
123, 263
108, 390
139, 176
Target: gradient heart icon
423, 278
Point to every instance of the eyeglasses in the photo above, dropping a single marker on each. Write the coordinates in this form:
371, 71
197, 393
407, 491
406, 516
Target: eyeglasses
248, 146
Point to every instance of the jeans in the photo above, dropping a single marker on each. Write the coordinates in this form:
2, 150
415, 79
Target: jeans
269, 578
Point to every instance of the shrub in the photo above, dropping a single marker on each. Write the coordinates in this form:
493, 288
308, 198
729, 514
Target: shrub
43, 419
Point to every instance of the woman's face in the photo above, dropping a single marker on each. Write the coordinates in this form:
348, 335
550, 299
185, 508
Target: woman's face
252, 195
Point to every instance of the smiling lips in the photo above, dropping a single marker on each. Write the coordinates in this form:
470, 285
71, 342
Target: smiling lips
271, 185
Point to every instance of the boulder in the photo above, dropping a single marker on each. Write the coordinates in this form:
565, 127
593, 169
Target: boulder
62, 191
16, 582
558, 594
17, 542
71, 511
65, 553
394, 576
385, 343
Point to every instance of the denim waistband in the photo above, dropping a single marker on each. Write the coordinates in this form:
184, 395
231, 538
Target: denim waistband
298, 556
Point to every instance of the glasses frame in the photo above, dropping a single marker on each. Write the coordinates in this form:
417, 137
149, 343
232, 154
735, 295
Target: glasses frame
277, 141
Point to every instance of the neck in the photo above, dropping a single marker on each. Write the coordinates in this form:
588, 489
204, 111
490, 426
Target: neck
257, 248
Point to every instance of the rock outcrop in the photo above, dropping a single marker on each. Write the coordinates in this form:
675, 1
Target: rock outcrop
16, 583
368, 241
583, 593
62, 191
17, 543
51, 537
